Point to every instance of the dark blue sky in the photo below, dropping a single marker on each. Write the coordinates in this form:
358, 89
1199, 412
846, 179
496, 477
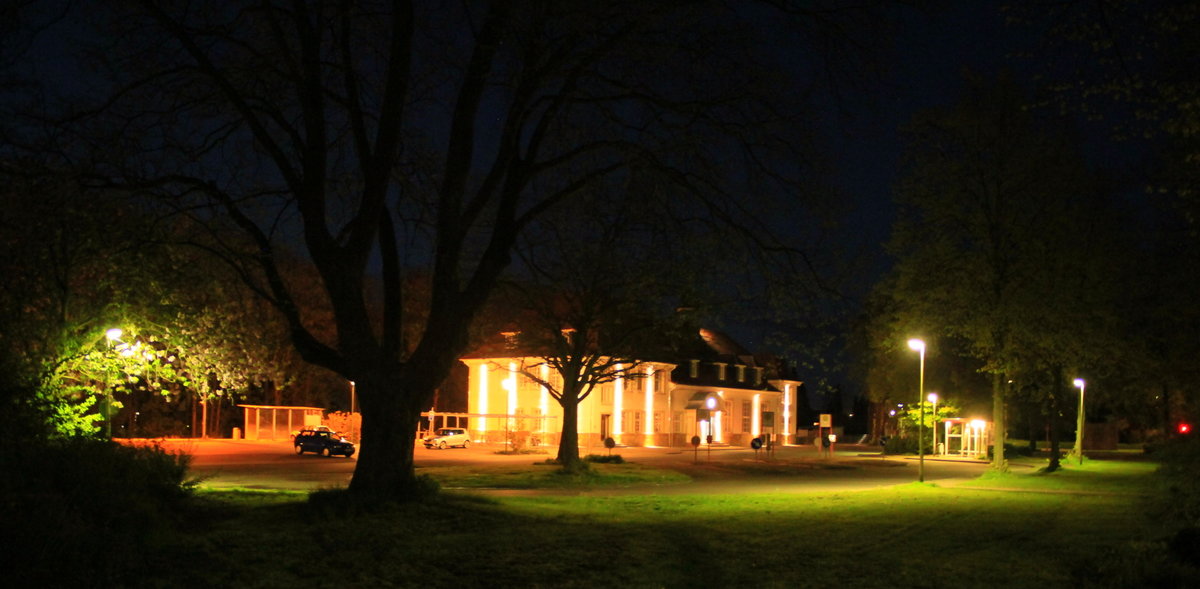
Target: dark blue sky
924, 69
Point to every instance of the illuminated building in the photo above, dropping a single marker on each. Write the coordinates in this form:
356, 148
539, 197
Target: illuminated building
723, 392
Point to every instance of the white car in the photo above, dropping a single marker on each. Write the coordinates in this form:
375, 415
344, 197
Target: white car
448, 436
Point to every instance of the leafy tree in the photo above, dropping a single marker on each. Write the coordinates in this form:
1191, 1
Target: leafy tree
383, 136
984, 242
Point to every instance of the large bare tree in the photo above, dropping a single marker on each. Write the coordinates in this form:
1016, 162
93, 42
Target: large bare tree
380, 137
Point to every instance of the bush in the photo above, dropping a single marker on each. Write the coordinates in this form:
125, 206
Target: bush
901, 445
1011, 451
610, 459
87, 511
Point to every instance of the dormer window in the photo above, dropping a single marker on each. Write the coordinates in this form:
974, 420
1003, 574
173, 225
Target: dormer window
720, 370
741, 373
510, 339
693, 368
758, 374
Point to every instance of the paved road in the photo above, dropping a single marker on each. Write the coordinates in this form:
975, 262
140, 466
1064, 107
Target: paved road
274, 465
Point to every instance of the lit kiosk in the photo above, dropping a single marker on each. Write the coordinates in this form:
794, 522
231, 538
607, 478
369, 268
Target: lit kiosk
966, 437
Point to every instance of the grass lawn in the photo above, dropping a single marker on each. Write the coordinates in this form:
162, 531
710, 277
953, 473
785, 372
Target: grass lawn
542, 476
1099, 476
907, 536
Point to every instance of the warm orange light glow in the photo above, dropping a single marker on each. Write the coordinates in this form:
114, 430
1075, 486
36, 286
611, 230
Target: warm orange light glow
648, 429
483, 396
787, 411
618, 401
544, 400
756, 416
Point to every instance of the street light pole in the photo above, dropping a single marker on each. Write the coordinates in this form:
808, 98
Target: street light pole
919, 346
1078, 451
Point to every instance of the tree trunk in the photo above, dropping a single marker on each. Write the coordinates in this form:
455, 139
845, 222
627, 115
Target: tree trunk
998, 438
385, 454
568, 445
1055, 394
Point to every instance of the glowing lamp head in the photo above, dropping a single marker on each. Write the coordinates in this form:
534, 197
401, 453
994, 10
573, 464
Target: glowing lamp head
114, 334
710, 402
1079, 382
917, 344
1184, 428
932, 397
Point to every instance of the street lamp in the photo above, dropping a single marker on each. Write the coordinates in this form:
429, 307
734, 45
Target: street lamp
1079, 382
114, 337
933, 398
919, 345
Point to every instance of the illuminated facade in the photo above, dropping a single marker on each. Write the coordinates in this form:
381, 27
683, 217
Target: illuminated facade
649, 403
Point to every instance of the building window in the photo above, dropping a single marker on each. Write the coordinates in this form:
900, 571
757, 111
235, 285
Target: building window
741, 373
727, 426
677, 422
694, 368
758, 372
637, 421
746, 412
720, 370
658, 417
606, 394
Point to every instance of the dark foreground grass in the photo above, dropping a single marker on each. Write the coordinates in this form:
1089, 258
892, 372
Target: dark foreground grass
548, 475
907, 536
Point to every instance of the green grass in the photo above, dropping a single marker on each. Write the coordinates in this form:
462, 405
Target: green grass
1093, 476
541, 475
907, 536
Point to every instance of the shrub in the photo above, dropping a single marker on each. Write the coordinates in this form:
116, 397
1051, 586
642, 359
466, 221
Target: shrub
902, 445
1011, 451
610, 459
87, 511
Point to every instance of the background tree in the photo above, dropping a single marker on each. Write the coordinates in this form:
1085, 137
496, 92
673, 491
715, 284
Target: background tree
986, 193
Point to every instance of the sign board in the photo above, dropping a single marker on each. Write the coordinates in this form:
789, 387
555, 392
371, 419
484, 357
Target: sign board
826, 420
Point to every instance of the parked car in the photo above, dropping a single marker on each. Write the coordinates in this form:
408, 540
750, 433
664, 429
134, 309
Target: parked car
323, 442
448, 436
314, 428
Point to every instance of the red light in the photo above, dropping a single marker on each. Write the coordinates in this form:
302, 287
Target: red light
1184, 428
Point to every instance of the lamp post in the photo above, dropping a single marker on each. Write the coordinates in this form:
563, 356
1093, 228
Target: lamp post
919, 346
933, 398
113, 336
1078, 451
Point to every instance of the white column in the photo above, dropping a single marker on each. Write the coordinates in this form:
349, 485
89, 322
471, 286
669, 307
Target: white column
483, 397
544, 400
787, 413
648, 427
756, 416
